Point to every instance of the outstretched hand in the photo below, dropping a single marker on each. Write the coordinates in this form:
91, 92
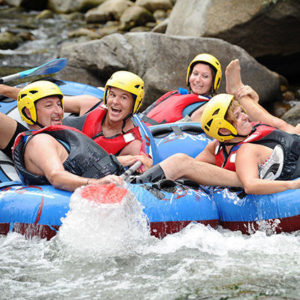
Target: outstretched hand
129, 160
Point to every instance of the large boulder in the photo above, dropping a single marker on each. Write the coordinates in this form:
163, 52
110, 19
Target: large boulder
261, 27
269, 30
161, 60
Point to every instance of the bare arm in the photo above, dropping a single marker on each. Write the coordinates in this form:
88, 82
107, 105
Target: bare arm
9, 91
247, 160
196, 115
79, 104
44, 156
132, 153
7, 129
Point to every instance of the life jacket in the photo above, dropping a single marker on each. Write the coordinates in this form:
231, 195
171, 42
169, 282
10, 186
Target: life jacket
91, 124
268, 136
86, 158
173, 106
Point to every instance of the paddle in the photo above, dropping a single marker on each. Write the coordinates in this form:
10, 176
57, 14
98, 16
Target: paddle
49, 67
108, 193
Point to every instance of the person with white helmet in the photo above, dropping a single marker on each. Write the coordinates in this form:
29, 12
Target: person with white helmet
56, 154
252, 155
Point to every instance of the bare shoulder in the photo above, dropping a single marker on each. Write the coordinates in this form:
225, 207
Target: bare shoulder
39, 141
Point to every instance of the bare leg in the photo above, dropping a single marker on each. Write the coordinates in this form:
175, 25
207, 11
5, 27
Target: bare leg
256, 112
181, 165
234, 84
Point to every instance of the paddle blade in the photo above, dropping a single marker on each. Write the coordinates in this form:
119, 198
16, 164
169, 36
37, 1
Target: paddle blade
105, 193
49, 67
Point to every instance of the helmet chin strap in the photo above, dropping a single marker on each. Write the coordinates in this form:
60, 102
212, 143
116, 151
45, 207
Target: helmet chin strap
34, 122
233, 143
124, 122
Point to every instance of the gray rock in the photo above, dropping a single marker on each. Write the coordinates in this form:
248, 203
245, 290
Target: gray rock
109, 10
261, 27
161, 27
161, 60
292, 116
9, 40
153, 5
67, 6
135, 16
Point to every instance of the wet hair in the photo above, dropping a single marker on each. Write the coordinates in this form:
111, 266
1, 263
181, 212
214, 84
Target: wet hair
230, 116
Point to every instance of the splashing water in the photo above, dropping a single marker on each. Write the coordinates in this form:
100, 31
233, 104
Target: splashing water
103, 228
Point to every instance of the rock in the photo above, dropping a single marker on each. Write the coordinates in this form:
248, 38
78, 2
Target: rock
67, 6
153, 5
292, 116
160, 15
161, 27
29, 4
109, 28
161, 60
9, 40
261, 27
109, 10
45, 14
135, 16
84, 32
288, 96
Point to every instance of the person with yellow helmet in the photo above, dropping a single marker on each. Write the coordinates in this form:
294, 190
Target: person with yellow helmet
52, 153
110, 125
256, 112
252, 155
203, 79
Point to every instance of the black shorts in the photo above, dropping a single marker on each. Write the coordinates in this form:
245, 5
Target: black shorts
20, 128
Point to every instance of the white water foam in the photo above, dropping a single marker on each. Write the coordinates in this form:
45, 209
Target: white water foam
106, 229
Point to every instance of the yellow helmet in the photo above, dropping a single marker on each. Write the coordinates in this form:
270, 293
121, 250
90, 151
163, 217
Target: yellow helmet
33, 92
213, 117
213, 62
128, 82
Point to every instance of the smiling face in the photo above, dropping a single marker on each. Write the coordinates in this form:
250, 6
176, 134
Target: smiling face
201, 79
242, 122
49, 111
119, 104
237, 116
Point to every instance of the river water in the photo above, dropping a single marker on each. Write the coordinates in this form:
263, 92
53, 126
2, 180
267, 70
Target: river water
107, 253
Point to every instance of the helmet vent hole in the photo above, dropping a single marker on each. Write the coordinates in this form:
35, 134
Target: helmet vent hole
33, 92
208, 124
216, 112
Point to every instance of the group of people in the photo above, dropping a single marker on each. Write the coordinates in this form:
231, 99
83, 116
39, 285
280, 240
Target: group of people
249, 150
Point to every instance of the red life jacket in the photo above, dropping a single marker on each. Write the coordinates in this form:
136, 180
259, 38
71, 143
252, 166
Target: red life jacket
227, 161
91, 125
170, 106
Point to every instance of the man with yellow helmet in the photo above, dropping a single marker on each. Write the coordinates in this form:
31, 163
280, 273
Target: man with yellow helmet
56, 154
109, 125
241, 155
